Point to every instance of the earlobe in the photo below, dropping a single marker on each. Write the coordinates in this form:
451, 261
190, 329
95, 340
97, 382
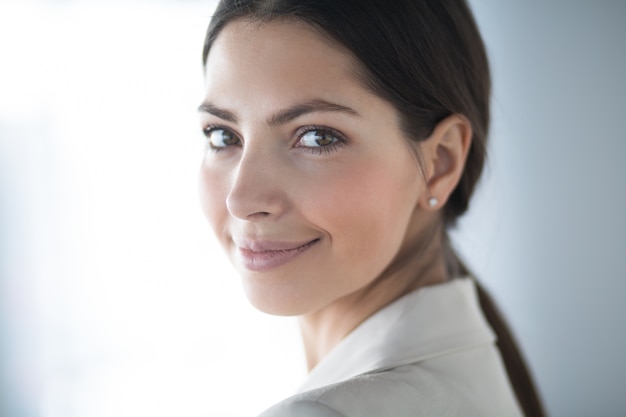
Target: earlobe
445, 152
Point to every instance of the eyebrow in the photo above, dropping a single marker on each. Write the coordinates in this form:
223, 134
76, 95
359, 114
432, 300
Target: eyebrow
283, 116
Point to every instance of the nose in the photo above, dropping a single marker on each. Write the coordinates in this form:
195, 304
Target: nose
257, 190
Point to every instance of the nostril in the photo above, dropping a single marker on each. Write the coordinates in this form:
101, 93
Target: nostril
258, 215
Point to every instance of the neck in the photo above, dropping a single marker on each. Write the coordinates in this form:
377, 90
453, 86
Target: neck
324, 329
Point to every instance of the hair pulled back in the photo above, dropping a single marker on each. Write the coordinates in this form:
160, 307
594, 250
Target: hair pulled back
426, 58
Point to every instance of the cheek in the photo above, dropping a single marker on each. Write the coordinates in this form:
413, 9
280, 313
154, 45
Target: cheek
366, 208
213, 189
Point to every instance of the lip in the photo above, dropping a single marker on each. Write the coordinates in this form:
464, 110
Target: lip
258, 256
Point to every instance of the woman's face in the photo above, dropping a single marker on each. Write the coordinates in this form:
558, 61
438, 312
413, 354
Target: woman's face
307, 179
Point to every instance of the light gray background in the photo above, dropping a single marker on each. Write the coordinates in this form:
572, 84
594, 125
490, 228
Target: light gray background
547, 231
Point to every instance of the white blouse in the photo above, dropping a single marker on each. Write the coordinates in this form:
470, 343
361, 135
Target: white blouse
430, 353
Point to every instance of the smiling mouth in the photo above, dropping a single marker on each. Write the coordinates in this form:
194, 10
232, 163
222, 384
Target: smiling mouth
263, 256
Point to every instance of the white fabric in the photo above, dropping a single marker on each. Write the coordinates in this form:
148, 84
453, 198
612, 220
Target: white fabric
430, 353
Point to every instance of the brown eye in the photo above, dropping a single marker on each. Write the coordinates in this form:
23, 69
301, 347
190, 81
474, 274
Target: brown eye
317, 138
221, 138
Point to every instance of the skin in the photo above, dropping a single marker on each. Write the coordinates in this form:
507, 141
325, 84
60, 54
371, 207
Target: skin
341, 176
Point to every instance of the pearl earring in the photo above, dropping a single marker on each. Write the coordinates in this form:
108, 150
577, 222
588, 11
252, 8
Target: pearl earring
432, 202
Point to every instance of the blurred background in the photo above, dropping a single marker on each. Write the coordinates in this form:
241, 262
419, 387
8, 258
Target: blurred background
116, 301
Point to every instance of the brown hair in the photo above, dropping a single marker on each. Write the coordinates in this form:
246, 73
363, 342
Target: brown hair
427, 58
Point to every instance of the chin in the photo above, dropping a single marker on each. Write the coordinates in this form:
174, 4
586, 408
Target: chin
279, 300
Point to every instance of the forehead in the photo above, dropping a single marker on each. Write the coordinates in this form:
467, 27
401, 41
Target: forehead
257, 37
277, 55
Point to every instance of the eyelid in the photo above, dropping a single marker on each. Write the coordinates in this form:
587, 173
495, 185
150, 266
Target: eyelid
206, 128
342, 140
209, 128
303, 130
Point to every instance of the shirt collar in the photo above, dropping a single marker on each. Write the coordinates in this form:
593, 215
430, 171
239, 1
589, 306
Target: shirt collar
423, 324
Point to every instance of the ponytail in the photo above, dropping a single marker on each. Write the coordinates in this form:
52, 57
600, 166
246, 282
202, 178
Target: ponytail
516, 368
521, 380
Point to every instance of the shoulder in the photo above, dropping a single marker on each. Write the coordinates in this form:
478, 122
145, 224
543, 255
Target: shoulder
396, 392
436, 387
301, 407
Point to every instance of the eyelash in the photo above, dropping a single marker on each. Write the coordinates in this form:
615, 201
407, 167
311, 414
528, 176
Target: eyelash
207, 130
300, 132
321, 150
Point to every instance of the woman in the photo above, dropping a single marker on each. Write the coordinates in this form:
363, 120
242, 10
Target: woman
343, 139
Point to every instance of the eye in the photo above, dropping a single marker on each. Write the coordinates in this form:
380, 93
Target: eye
320, 139
219, 138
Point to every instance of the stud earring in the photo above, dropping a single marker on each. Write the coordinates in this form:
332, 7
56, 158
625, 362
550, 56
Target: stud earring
432, 201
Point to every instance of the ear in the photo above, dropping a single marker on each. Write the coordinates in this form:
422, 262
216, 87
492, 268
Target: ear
444, 154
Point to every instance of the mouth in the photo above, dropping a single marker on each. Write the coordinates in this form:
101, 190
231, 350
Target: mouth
261, 256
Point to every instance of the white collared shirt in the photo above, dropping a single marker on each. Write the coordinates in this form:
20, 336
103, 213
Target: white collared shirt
430, 353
